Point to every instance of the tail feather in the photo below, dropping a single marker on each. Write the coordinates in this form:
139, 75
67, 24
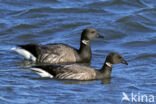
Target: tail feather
42, 72
25, 53
32, 48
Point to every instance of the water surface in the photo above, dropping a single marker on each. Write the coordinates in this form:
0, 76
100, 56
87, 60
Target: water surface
129, 27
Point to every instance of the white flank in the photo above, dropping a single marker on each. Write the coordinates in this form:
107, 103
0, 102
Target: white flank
24, 53
42, 73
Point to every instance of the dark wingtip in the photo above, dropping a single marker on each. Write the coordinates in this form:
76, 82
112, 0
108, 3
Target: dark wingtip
19, 45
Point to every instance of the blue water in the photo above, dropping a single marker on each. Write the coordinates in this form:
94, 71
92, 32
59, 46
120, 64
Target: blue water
129, 28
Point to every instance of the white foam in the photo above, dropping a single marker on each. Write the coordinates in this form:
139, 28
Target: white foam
42, 73
25, 53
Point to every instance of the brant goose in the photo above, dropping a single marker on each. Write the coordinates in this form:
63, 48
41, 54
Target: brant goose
58, 52
80, 72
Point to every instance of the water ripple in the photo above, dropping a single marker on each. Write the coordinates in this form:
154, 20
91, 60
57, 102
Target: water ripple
128, 27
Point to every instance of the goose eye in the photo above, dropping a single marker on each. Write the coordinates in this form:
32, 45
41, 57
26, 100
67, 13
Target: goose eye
93, 32
119, 57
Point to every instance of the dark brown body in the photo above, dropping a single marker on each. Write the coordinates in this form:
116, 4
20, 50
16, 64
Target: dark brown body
80, 72
62, 53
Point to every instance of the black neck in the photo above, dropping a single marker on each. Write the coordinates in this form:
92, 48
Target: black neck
85, 47
85, 51
106, 70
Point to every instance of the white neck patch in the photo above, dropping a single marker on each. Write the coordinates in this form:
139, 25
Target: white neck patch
85, 42
109, 64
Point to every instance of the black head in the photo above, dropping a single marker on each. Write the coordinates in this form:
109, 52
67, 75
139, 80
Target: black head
115, 58
89, 34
